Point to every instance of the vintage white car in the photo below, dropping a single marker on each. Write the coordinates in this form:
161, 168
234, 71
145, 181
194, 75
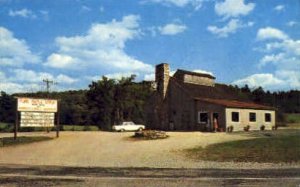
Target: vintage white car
128, 126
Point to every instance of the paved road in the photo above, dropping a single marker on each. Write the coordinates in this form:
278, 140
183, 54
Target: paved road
22, 175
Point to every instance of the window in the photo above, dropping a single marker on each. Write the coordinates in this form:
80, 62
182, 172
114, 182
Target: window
203, 117
267, 117
235, 116
252, 116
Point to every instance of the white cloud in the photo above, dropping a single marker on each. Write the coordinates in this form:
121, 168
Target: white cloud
149, 77
232, 26
61, 61
283, 55
2, 76
172, 72
64, 79
25, 13
264, 80
172, 29
23, 75
271, 58
13, 51
233, 8
270, 33
197, 4
9, 87
85, 8
22, 80
102, 48
292, 78
28, 76
292, 23
289, 46
279, 8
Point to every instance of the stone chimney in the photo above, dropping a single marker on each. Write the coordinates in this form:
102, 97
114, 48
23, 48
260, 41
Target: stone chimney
162, 76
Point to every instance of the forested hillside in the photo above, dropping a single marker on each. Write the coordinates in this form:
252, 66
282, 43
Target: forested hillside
105, 103
110, 101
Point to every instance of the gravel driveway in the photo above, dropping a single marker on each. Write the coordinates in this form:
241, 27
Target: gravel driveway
108, 149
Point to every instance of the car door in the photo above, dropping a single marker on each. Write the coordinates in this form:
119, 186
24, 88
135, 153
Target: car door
132, 126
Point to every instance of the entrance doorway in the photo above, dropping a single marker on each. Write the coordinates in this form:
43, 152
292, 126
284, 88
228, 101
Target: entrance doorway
215, 122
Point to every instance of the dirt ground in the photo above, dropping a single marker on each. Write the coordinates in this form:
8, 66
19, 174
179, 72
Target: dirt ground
109, 149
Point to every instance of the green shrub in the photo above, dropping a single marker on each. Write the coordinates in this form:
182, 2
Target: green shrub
6, 127
79, 128
292, 118
93, 128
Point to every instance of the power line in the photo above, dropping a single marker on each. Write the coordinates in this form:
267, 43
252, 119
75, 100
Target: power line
48, 83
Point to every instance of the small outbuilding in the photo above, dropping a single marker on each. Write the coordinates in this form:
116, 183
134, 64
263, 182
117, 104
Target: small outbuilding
193, 101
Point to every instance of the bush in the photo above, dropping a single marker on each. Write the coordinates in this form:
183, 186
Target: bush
80, 128
247, 128
6, 127
230, 128
90, 128
262, 128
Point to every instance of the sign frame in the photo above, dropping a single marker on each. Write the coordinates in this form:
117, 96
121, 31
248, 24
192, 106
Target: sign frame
40, 102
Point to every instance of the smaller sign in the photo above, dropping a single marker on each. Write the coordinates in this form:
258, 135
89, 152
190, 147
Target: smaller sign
37, 105
37, 119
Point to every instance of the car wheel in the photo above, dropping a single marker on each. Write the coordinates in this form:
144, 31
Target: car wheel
140, 129
122, 130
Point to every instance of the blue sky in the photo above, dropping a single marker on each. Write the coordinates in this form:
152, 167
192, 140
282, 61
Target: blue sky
74, 42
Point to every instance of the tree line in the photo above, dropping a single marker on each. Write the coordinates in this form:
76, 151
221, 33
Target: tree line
109, 101
106, 102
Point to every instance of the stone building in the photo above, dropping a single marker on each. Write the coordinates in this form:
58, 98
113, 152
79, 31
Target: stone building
194, 101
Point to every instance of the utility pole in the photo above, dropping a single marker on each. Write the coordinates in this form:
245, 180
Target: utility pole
48, 84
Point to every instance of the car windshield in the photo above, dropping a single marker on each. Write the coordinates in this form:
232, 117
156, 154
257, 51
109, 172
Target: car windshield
128, 123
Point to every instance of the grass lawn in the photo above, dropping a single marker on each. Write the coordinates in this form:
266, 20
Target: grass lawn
274, 147
9, 141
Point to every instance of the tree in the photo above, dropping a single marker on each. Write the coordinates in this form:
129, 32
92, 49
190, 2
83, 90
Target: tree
100, 101
7, 108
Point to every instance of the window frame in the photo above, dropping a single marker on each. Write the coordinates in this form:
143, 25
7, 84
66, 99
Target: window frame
199, 117
251, 119
238, 116
270, 117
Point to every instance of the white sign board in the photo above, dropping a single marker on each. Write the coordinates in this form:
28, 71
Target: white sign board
37, 119
37, 105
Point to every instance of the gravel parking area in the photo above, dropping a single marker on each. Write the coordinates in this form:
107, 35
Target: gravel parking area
109, 149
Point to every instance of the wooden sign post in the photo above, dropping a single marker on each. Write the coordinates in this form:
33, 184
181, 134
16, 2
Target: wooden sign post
36, 112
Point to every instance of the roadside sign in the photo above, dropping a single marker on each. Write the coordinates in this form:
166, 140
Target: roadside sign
36, 105
36, 113
37, 119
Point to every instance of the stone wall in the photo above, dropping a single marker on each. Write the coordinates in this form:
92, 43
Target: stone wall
162, 76
194, 79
